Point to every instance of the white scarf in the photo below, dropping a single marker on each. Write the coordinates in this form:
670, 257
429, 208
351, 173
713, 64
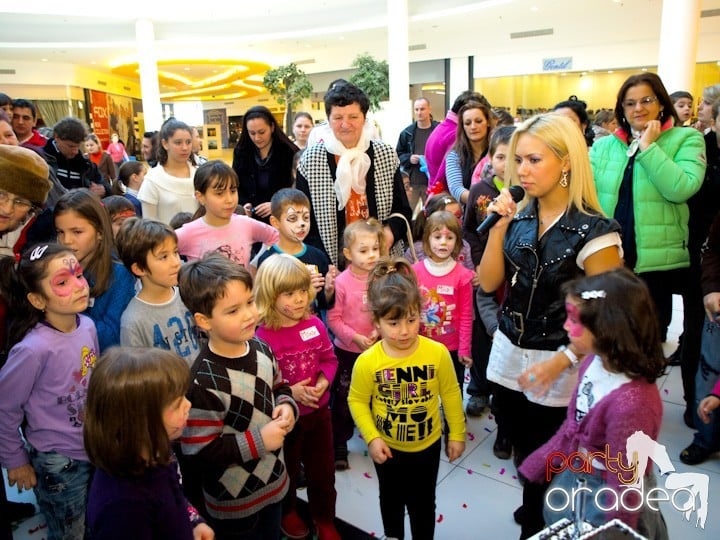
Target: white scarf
352, 167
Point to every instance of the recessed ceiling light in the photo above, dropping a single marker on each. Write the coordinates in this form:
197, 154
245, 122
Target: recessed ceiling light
610, 71
644, 69
43, 59
534, 8
186, 69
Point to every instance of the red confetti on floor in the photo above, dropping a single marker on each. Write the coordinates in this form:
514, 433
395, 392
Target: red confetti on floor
440, 518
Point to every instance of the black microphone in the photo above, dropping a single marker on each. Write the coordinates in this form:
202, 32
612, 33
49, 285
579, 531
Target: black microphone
517, 193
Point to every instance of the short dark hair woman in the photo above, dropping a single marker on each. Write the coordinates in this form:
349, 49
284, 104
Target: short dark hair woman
644, 173
350, 177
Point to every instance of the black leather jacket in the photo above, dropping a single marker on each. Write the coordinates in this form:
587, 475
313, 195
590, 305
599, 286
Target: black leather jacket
533, 312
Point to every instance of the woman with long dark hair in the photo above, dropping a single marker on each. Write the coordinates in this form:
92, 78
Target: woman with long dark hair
263, 161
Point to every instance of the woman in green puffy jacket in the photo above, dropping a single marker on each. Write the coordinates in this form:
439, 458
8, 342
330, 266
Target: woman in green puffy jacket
644, 174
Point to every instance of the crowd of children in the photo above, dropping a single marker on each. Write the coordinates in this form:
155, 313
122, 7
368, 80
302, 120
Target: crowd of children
260, 368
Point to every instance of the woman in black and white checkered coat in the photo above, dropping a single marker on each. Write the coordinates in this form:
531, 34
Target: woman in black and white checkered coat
348, 176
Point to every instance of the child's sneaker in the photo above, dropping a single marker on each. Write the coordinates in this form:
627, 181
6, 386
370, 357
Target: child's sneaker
293, 526
326, 531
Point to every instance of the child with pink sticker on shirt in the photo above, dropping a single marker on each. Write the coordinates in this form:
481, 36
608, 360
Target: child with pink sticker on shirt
302, 347
446, 287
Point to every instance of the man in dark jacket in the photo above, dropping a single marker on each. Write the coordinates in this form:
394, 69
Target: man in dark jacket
411, 147
71, 167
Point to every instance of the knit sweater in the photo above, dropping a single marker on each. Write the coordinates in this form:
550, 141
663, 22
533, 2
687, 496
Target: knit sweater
232, 399
664, 177
303, 351
634, 406
398, 398
447, 311
164, 195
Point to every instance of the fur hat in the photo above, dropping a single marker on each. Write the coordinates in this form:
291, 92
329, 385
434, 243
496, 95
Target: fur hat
24, 174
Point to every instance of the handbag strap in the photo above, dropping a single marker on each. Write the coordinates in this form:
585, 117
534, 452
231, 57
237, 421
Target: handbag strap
410, 241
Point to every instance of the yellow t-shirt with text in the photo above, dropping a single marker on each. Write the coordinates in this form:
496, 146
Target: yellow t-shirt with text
398, 399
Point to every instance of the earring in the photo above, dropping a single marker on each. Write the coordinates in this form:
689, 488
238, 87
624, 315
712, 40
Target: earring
564, 179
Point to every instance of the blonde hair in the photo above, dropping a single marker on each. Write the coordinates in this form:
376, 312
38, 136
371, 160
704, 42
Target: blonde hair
562, 136
371, 225
279, 273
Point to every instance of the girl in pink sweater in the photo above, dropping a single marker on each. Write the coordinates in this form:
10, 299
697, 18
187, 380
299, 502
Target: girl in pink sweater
299, 341
216, 226
351, 322
446, 287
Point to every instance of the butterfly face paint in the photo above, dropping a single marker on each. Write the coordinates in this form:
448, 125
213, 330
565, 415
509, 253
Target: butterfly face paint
581, 338
68, 279
573, 326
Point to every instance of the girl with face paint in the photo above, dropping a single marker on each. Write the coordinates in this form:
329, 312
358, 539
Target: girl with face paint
610, 322
283, 293
52, 355
446, 287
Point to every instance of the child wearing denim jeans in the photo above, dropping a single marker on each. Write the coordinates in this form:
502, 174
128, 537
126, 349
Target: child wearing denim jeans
45, 381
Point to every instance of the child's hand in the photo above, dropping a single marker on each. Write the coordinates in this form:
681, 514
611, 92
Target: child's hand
712, 304
273, 434
203, 532
466, 361
379, 451
317, 281
330, 281
301, 392
365, 342
23, 476
321, 385
454, 449
707, 405
285, 414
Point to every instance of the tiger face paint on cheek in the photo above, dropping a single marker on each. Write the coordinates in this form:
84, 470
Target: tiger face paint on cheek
68, 279
572, 324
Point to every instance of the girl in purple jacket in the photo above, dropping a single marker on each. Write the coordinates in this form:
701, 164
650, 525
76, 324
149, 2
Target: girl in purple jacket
609, 321
136, 407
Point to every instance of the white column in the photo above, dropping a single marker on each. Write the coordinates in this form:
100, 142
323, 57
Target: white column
678, 44
149, 85
397, 112
458, 78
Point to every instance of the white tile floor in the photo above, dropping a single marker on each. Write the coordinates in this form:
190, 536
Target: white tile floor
477, 495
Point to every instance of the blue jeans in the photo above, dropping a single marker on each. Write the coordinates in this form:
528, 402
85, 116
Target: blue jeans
61, 491
708, 373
